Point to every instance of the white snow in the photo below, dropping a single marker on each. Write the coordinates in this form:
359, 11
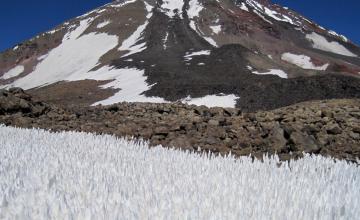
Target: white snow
277, 16
244, 7
72, 175
216, 28
16, 47
210, 41
194, 11
131, 44
79, 54
131, 82
262, 16
249, 67
173, 7
101, 10
42, 57
221, 100
189, 56
122, 4
86, 15
262, 10
54, 30
321, 43
103, 24
302, 61
73, 58
321, 27
342, 37
13, 72
165, 40
279, 73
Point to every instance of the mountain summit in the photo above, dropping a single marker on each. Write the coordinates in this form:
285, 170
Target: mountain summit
245, 53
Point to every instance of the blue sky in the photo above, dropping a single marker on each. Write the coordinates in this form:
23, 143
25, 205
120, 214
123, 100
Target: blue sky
21, 20
341, 16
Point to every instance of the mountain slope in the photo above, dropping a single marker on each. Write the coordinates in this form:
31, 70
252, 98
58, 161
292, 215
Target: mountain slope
254, 54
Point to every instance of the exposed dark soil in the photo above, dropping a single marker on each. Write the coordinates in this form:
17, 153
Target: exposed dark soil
329, 128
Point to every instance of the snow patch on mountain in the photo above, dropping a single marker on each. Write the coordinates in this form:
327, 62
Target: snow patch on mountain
173, 7
119, 4
262, 10
130, 81
244, 7
13, 72
221, 100
216, 28
189, 56
75, 31
103, 24
131, 44
261, 16
342, 37
210, 41
194, 11
302, 61
277, 72
165, 40
74, 57
321, 43
42, 57
72, 175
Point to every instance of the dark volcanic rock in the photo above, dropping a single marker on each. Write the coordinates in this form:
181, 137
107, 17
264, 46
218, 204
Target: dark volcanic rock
329, 128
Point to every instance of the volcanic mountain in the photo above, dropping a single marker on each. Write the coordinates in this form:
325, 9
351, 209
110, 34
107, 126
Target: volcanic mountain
250, 54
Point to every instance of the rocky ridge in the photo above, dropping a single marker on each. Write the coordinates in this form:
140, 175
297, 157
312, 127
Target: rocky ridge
329, 128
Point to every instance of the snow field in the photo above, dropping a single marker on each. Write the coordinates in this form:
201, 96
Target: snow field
131, 44
321, 43
302, 61
73, 58
277, 72
195, 7
173, 7
260, 9
103, 24
130, 81
190, 55
83, 176
224, 101
89, 48
216, 29
121, 3
244, 7
17, 70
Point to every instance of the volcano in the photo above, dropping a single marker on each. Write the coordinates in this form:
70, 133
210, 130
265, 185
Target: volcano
250, 54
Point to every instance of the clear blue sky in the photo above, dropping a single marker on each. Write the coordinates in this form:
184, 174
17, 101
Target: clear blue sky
21, 20
342, 16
